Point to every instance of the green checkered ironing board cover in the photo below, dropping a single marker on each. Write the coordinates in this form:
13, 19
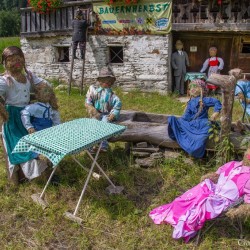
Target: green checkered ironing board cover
67, 138
194, 75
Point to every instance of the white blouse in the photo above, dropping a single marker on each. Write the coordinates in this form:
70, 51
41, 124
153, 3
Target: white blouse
16, 93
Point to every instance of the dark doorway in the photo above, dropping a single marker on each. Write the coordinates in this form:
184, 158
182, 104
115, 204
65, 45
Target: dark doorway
197, 44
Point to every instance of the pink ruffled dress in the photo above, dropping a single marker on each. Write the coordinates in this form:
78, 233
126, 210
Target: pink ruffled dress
207, 200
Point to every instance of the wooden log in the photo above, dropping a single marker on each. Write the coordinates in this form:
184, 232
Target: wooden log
154, 132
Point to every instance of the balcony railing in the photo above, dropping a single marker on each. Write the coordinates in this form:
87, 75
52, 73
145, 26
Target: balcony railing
60, 20
187, 15
208, 11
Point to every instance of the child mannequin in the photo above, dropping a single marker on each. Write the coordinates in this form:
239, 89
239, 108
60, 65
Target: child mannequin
43, 113
101, 102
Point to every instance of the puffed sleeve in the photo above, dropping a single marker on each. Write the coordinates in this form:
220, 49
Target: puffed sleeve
224, 167
205, 65
213, 102
117, 105
221, 66
247, 192
56, 117
36, 79
90, 96
26, 114
3, 87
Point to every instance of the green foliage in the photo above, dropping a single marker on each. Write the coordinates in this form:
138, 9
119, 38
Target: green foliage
10, 22
224, 151
12, 4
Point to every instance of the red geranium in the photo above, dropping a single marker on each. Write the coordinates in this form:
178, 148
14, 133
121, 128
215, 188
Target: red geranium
44, 6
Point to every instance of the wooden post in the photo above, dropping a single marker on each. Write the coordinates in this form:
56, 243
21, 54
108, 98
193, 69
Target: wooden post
83, 64
227, 84
71, 71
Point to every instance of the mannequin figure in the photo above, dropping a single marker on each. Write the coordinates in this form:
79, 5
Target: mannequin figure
179, 63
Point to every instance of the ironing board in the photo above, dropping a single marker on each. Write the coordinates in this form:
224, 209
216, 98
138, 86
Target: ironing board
190, 76
70, 138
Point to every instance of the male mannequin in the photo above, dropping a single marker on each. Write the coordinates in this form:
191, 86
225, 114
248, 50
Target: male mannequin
80, 26
179, 63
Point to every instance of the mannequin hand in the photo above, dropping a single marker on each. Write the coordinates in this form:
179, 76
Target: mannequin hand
212, 176
241, 96
31, 130
111, 117
92, 112
214, 116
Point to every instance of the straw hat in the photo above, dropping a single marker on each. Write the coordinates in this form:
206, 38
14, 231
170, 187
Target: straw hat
106, 72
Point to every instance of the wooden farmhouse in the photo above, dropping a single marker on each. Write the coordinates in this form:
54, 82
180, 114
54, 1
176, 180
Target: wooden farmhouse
139, 57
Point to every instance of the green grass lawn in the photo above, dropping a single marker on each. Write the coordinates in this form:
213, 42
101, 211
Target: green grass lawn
110, 222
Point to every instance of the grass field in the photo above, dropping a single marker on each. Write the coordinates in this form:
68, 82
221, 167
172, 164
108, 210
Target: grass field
110, 222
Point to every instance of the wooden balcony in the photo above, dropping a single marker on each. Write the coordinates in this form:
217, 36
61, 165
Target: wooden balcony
188, 15
55, 23
207, 15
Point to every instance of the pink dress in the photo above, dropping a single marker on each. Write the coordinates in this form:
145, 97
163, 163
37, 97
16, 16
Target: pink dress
188, 213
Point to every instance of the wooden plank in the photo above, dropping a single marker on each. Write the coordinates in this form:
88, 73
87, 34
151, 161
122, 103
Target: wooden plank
64, 19
38, 22
69, 16
43, 22
33, 21
28, 22
52, 21
58, 19
47, 22
23, 22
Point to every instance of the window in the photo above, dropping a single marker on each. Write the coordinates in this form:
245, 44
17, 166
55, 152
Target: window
115, 54
63, 54
245, 48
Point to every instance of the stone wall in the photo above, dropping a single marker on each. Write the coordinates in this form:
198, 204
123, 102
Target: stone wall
146, 61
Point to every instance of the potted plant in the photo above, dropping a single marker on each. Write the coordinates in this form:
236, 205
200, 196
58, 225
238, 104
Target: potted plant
44, 6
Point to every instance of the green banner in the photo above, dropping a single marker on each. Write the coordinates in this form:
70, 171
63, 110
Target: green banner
144, 17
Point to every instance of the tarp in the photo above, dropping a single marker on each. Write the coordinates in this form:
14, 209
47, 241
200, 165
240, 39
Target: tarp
144, 17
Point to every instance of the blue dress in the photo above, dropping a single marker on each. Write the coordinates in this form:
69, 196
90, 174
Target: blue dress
191, 130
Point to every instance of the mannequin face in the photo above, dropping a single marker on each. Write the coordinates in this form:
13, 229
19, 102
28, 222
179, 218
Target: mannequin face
179, 46
105, 82
14, 63
195, 90
212, 52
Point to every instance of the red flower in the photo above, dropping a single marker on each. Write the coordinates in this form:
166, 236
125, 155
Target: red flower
44, 6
